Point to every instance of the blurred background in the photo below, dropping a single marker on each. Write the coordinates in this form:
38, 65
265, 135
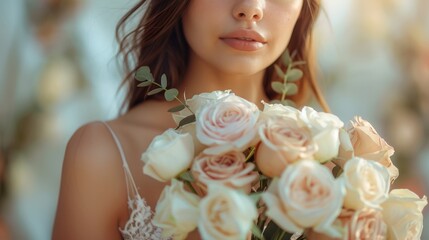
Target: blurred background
58, 71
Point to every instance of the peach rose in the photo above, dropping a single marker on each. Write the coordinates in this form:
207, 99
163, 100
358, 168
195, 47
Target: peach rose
229, 169
176, 211
368, 144
227, 124
402, 212
305, 196
367, 184
226, 214
283, 141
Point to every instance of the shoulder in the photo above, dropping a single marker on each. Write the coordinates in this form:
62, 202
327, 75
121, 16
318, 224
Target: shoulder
92, 189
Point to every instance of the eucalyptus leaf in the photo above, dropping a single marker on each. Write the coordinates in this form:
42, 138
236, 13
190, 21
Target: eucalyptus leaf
336, 171
286, 58
288, 102
144, 84
187, 176
278, 87
163, 81
297, 63
171, 94
292, 89
275, 101
155, 91
255, 197
294, 74
187, 120
144, 74
177, 108
257, 232
279, 71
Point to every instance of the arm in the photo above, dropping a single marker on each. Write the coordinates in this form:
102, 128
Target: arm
92, 191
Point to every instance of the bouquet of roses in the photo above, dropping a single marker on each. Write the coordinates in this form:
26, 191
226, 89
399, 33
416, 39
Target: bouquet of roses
237, 172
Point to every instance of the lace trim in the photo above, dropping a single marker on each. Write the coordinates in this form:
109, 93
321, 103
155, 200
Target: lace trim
139, 226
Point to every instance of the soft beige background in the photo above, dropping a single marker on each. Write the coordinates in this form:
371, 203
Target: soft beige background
58, 70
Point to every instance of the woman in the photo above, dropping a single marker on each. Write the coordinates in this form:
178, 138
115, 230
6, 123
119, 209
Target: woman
202, 45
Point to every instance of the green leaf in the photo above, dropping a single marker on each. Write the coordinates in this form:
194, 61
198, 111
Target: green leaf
256, 197
171, 94
288, 102
144, 84
144, 74
297, 63
286, 58
257, 232
291, 89
187, 120
278, 87
294, 74
187, 176
176, 108
275, 101
279, 71
155, 91
336, 171
163, 81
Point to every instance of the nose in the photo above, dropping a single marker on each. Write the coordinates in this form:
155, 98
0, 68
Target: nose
249, 10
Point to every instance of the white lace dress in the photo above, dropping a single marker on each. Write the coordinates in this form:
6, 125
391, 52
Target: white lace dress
139, 225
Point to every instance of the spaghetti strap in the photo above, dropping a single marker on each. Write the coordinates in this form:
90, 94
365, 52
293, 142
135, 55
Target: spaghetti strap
131, 186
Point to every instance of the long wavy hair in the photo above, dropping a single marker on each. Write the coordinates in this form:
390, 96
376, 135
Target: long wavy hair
158, 42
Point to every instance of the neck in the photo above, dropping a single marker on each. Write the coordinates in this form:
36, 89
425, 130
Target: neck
200, 78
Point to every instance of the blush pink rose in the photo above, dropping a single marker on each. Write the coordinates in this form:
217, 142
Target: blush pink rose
229, 169
227, 124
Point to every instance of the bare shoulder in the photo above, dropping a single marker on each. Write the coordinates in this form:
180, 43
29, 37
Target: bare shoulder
91, 183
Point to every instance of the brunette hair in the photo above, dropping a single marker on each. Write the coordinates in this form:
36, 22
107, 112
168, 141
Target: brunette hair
158, 42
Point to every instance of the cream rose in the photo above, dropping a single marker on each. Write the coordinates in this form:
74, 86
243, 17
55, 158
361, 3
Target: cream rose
366, 224
369, 145
177, 211
325, 128
229, 169
367, 184
283, 141
199, 100
227, 124
402, 212
279, 110
168, 155
305, 196
226, 214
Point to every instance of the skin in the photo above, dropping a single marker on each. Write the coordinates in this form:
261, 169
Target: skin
93, 196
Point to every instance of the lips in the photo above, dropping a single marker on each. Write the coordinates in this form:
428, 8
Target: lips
244, 40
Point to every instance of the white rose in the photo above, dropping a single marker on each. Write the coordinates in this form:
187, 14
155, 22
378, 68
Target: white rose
325, 128
402, 212
227, 124
305, 196
168, 155
176, 211
199, 100
226, 214
367, 184
279, 110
